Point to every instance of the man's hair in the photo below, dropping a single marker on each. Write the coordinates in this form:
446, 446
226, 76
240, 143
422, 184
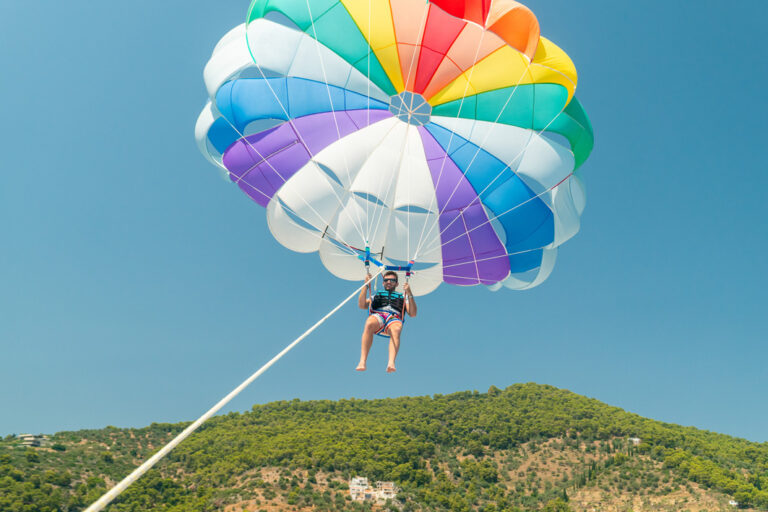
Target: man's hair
390, 273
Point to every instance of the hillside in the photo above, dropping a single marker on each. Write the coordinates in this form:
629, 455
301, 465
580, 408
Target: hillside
528, 447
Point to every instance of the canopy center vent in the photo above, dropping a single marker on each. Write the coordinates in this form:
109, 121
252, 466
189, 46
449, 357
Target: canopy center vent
410, 108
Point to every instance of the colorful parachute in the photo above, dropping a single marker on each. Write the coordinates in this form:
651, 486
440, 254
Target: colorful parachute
443, 132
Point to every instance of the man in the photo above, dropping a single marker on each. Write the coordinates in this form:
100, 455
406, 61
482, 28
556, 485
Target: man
387, 308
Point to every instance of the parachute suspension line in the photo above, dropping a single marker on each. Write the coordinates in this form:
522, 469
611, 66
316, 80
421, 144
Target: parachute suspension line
489, 258
373, 220
371, 230
380, 217
410, 184
368, 238
450, 140
494, 217
368, 123
422, 26
368, 57
264, 159
471, 248
298, 134
147, 465
520, 154
408, 232
367, 259
394, 182
367, 273
333, 111
405, 296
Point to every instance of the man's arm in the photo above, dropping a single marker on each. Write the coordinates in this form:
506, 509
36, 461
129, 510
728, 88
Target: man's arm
362, 299
410, 302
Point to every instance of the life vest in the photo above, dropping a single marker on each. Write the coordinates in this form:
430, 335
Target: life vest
392, 302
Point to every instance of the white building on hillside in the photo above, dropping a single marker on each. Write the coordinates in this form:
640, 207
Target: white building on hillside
33, 439
386, 490
360, 490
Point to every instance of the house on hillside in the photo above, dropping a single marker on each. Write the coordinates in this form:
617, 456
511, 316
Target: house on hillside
358, 488
635, 441
361, 490
33, 439
386, 490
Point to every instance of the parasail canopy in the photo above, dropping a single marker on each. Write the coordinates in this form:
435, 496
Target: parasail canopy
444, 132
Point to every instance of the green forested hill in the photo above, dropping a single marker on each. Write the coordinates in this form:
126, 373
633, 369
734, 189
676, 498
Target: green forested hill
527, 447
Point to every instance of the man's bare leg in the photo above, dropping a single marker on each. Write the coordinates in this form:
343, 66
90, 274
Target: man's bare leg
394, 344
370, 328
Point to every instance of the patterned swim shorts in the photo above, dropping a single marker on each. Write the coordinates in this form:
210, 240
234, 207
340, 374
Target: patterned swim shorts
385, 319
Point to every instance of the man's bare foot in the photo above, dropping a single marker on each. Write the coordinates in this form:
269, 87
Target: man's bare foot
391, 368
361, 367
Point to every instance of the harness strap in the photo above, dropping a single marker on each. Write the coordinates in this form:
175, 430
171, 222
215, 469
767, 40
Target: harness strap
367, 259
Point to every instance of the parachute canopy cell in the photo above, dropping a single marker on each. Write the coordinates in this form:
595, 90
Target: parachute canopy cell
443, 132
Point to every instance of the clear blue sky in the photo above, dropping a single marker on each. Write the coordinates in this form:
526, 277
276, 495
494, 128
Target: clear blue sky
137, 285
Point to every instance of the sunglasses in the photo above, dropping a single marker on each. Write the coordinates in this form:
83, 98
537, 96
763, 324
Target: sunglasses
389, 279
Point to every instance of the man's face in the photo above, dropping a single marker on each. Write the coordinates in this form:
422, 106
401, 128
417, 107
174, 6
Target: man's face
390, 282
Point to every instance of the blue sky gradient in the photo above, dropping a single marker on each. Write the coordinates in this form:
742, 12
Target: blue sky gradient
136, 285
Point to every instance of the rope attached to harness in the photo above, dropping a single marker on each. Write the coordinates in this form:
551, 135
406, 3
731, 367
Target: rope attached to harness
146, 466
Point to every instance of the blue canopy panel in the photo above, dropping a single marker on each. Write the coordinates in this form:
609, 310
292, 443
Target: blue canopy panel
527, 221
246, 100
222, 135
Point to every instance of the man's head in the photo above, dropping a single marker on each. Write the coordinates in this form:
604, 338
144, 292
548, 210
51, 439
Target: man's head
390, 280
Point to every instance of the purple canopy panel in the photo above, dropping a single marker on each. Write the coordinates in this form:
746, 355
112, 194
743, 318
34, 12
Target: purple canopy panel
248, 161
467, 236
363, 118
261, 163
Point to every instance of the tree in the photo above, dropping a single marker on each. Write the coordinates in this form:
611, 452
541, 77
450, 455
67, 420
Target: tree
557, 505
